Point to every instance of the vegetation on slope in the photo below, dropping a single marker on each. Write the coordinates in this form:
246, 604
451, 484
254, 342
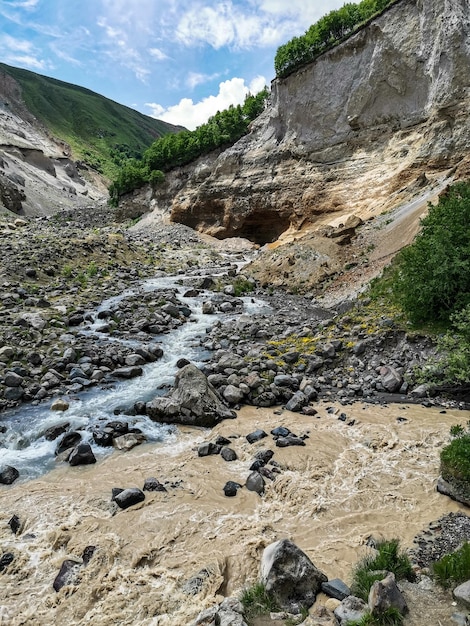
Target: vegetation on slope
430, 282
455, 461
222, 130
101, 132
330, 30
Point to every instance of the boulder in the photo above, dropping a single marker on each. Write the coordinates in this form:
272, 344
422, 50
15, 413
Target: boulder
452, 491
70, 440
82, 455
297, 402
128, 497
256, 435
59, 405
290, 576
336, 588
152, 484
390, 379
8, 475
462, 594
193, 402
128, 441
255, 482
384, 594
290, 440
231, 488
68, 574
228, 454
351, 609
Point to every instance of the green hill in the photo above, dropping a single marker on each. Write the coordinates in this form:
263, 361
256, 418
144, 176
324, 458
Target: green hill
100, 132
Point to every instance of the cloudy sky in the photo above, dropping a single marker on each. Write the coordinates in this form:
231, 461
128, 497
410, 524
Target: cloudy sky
178, 60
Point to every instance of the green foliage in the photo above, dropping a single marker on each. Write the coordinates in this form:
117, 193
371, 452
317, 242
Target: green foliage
389, 617
92, 269
433, 282
257, 601
331, 29
67, 271
455, 460
388, 558
174, 150
101, 132
455, 345
242, 285
454, 568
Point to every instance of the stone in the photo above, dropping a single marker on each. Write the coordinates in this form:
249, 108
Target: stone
103, 438
321, 616
336, 588
82, 455
233, 395
70, 440
231, 488
256, 435
255, 482
452, 491
390, 379
128, 372
228, 454
207, 448
152, 484
385, 594
55, 431
297, 402
128, 497
8, 474
14, 524
351, 609
290, 440
60, 405
67, 575
280, 431
13, 380
5, 560
128, 441
193, 402
264, 455
290, 576
462, 593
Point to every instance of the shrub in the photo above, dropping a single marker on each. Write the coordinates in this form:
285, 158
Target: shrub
454, 568
433, 281
389, 617
455, 461
257, 601
388, 558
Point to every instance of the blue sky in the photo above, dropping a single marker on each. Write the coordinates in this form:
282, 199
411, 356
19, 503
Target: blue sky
178, 60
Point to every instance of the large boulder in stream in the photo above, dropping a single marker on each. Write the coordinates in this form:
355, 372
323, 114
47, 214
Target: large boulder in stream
290, 576
193, 402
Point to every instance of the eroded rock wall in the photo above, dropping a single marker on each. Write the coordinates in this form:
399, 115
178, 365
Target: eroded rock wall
352, 132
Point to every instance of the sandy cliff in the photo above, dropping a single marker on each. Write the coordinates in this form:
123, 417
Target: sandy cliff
371, 125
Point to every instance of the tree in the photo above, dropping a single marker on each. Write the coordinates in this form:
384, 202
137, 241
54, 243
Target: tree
433, 278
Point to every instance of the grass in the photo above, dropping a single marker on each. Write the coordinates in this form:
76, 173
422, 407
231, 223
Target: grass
388, 558
389, 617
454, 568
257, 601
98, 130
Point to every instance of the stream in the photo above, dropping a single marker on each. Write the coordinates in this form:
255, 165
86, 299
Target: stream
23, 444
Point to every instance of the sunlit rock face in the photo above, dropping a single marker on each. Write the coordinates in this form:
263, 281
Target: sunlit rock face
350, 133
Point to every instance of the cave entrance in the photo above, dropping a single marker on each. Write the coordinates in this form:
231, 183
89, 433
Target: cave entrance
263, 227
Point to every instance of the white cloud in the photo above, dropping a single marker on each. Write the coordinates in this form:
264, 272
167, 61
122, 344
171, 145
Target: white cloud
17, 45
195, 78
158, 54
24, 4
28, 61
192, 114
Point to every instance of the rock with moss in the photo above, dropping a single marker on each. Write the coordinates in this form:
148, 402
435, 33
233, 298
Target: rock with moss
455, 468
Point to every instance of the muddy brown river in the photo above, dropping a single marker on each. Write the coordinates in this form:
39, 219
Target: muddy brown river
373, 478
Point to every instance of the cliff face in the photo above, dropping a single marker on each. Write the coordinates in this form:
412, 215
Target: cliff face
361, 130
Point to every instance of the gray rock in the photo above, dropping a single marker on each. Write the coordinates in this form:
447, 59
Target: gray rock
128, 441
385, 594
152, 484
228, 454
447, 489
207, 448
68, 574
350, 609
256, 435
128, 497
297, 402
255, 482
128, 372
390, 379
82, 455
231, 488
462, 594
13, 380
8, 475
290, 576
194, 401
233, 394
336, 588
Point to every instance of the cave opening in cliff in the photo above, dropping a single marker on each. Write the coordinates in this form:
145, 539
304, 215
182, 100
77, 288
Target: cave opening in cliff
263, 227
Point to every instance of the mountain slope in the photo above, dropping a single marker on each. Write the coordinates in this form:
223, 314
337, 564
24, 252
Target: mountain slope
92, 125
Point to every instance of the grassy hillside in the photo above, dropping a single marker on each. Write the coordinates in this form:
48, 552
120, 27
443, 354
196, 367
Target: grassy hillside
100, 132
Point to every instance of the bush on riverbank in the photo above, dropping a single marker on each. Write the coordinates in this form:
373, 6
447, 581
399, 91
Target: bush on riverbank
388, 558
454, 568
455, 461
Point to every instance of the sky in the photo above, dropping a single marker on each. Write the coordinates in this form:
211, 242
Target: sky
180, 61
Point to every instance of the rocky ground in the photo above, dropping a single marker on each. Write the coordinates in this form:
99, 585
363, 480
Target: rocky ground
57, 269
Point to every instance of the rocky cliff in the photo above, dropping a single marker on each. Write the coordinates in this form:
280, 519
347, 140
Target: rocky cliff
370, 125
